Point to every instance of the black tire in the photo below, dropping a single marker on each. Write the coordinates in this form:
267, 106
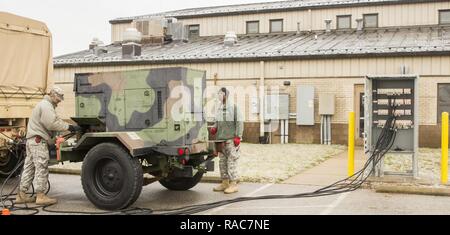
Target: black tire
181, 184
111, 178
7, 164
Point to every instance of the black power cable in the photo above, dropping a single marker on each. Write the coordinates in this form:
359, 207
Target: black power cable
11, 196
384, 144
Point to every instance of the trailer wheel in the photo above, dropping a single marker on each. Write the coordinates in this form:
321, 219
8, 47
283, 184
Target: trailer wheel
181, 184
111, 178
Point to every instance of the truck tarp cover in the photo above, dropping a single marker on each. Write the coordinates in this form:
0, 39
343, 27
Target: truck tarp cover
25, 54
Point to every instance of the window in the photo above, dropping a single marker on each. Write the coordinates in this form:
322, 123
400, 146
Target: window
194, 31
370, 20
276, 26
444, 17
443, 100
142, 26
344, 22
252, 27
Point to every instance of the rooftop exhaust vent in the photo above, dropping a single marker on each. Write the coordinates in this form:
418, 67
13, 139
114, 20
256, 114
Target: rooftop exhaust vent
328, 26
95, 43
131, 46
132, 35
98, 47
230, 39
359, 24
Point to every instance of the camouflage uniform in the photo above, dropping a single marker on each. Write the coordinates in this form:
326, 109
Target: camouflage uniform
36, 164
44, 122
229, 125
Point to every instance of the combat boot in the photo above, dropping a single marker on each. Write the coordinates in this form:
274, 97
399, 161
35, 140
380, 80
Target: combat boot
23, 198
225, 184
233, 188
43, 200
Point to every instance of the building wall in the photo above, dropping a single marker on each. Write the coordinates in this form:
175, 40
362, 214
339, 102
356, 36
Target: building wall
389, 15
117, 31
334, 76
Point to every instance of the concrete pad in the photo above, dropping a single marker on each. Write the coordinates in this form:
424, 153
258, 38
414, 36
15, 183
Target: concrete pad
411, 189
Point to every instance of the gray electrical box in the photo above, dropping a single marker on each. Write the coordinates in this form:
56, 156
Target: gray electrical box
277, 107
305, 106
385, 95
327, 104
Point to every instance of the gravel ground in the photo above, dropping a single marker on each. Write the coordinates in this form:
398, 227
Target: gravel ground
429, 164
269, 163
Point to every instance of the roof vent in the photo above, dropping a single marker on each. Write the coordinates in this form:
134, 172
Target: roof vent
359, 24
131, 46
130, 50
230, 39
170, 20
177, 31
132, 35
328, 26
95, 43
299, 29
98, 47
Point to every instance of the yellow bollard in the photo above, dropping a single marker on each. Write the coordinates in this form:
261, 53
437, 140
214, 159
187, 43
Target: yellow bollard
444, 161
351, 144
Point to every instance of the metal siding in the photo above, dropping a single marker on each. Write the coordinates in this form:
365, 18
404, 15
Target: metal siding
326, 82
445, 64
117, 31
436, 65
391, 15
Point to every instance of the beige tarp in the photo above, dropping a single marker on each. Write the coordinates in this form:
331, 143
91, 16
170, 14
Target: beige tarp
26, 63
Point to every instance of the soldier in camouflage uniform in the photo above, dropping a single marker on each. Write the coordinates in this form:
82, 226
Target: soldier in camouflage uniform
229, 128
41, 127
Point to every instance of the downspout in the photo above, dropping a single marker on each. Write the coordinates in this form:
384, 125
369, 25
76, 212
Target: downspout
216, 77
261, 100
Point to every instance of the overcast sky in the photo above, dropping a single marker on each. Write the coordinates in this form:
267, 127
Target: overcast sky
74, 23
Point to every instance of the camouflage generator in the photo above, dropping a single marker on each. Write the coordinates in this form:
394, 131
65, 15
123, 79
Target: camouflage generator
134, 123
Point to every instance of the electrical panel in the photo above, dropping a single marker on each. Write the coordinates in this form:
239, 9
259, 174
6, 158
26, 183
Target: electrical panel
305, 106
327, 104
277, 107
388, 96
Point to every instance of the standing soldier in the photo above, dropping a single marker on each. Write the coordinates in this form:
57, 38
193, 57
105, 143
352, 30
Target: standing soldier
228, 128
42, 126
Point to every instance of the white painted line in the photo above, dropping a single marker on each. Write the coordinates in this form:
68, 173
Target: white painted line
335, 204
259, 190
215, 210
278, 207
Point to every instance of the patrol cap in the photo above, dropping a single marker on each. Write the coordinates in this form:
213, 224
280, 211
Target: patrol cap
58, 91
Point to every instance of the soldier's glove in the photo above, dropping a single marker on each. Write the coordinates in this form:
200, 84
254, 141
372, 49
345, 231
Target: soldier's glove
237, 141
75, 129
213, 131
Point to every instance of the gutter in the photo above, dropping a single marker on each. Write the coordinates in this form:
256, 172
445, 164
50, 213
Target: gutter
251, 59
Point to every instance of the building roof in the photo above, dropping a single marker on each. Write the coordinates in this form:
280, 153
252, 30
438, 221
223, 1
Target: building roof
425, 40
276, 6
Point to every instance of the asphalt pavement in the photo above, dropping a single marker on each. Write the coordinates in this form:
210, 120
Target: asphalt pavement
67, 188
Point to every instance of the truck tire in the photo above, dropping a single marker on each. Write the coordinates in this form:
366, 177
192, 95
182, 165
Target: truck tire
8, 163
112, 179
181, 184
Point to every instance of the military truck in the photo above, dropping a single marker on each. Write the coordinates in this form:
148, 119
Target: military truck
26, 68
134, 125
